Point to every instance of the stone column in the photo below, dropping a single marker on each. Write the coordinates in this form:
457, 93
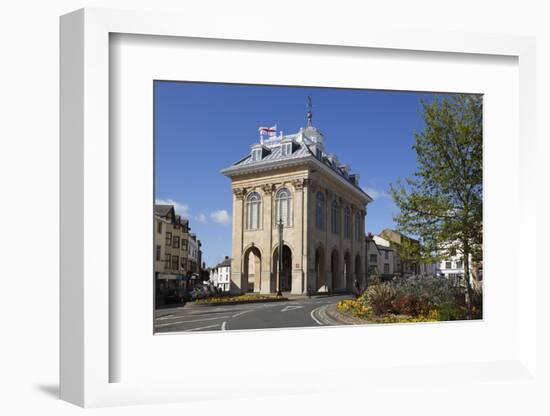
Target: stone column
266, 284
306, 261
298, 264
328, 256
237, 277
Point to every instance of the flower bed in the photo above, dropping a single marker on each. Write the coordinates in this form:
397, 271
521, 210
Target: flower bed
231, 300
420, 299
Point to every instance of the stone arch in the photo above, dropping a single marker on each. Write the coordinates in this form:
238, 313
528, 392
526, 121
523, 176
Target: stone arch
286, 274
348, 277
334, 268
252, 269
320, 283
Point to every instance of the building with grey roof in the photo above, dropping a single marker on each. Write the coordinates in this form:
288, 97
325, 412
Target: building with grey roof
293, 181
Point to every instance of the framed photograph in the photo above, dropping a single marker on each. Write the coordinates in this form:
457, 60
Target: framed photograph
285, 208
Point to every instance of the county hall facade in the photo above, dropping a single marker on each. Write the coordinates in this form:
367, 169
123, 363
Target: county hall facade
292, 179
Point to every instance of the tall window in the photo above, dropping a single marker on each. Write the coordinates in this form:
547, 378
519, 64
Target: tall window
157, 253
175, 262
253, 207
320, 211
283, 202
159, 227
357, 226
176, 242
168, 239
347, 223
334, 217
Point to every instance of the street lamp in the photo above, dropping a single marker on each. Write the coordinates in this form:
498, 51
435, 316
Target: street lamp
280, 259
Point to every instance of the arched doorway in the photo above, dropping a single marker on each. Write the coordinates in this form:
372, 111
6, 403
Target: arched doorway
286, 273
320, 283
358, 272
334, 268
252, 262
347, 271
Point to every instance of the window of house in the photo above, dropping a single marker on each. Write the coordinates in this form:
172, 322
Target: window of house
347, 223
386, 254
357, 226
283, 202
175, 262
386, 268
168, 239
157, 253
159, 227
176, 242
167, 258
320, 211
459, 264
253, 207
256, 154
184, 244
184, 264
448, 265
373, 258
286, 149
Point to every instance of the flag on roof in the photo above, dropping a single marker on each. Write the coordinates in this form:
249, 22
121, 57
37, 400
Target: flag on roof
268, 131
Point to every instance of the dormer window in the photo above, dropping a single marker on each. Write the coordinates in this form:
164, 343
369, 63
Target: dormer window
286, 149
256, 155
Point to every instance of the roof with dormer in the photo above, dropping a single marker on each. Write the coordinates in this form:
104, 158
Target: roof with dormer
307, 146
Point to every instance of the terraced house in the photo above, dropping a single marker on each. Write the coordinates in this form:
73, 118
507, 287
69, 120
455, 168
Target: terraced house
293, 180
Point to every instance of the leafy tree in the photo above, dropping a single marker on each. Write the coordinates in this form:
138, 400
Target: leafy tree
442, 202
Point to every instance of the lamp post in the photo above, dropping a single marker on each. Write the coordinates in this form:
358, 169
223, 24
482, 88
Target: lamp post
280, 259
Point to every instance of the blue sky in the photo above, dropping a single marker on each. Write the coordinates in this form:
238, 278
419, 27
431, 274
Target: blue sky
202, 128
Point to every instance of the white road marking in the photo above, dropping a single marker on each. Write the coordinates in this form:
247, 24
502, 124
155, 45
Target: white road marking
203, 327
312, 314
160, 318
194, 320
223, 325
242, 313
290, 308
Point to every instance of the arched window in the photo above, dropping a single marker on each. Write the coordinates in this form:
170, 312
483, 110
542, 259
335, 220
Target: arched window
283, 201
253, 209
357, 226
320, 211
347, 223
334, 217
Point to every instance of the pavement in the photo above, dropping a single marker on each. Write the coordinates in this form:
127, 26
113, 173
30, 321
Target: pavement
296, 312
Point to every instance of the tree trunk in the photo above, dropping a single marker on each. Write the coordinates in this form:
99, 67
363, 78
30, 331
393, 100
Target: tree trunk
468, 294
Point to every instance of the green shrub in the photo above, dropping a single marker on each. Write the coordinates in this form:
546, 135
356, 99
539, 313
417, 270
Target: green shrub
450, 311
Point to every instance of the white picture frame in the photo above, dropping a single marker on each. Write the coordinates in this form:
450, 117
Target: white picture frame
86, 293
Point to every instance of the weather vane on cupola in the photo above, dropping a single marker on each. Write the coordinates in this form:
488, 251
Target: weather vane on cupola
309, 112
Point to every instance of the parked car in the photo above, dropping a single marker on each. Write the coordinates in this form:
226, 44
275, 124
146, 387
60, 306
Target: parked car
179, 295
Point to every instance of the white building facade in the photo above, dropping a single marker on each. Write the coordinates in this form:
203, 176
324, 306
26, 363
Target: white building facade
220, 275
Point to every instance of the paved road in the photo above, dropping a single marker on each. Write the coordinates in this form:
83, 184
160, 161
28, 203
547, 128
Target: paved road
286, 314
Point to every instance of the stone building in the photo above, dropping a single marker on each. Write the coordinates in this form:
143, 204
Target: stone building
381, 257
291, 178
171, 251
